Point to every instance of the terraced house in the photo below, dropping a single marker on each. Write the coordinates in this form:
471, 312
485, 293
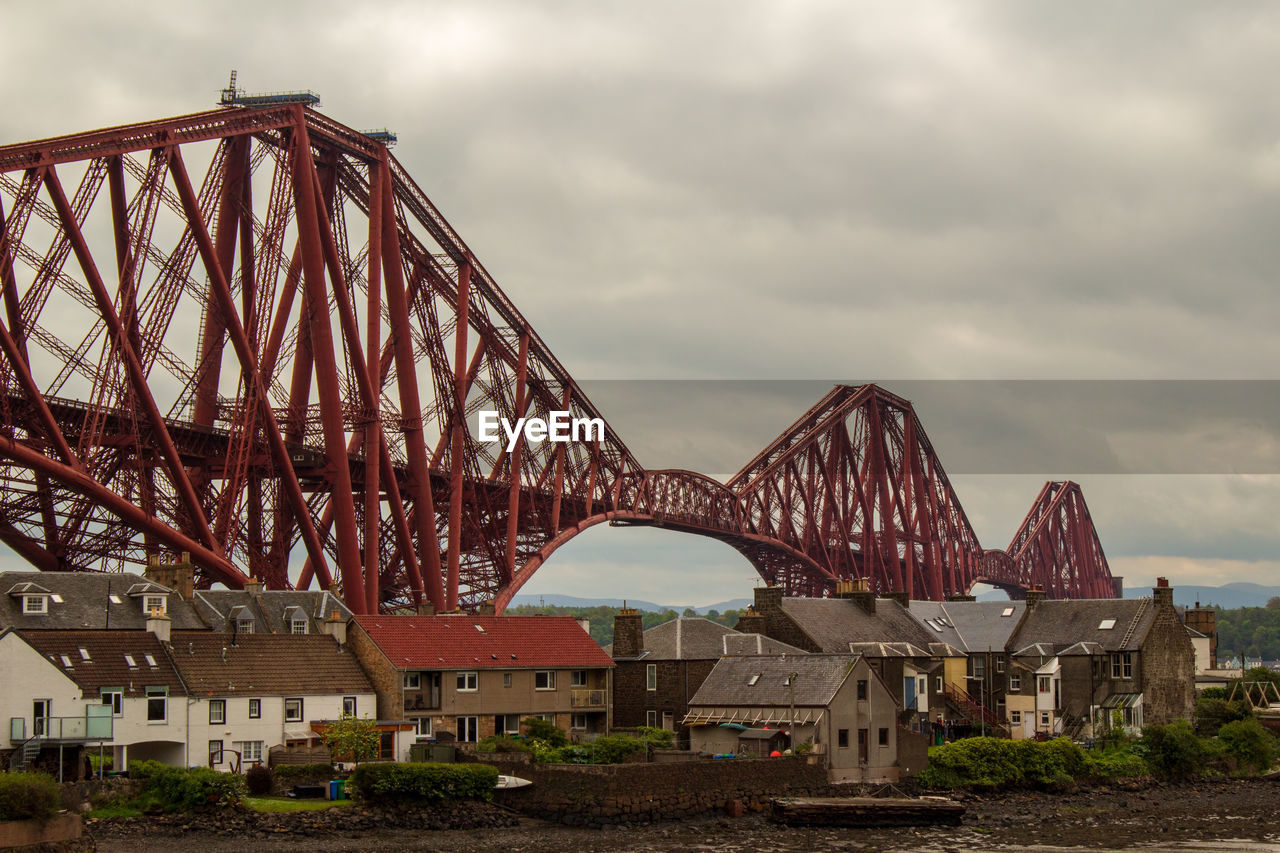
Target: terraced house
462, 677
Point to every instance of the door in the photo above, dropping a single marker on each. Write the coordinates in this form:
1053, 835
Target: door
41, 713
864, 742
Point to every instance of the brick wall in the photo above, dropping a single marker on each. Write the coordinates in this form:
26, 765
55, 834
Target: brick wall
642, 793
677, 682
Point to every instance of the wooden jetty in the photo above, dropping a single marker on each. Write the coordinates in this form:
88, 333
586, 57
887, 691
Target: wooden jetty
867, 811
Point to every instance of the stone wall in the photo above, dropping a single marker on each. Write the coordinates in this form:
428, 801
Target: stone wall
387, 681
677, 682
1168, 668
643, 793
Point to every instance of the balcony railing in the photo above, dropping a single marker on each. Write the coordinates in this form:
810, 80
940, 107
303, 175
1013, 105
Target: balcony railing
586, 698
94, 725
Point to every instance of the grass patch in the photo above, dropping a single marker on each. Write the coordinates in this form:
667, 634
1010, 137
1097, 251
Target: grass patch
113, 811
288, 804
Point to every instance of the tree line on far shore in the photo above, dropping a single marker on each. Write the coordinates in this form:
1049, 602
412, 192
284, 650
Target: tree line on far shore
601, 617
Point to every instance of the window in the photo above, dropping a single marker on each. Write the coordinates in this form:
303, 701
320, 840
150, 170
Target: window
255, 709
999, 664
1122, 665
35, 604
424, 727
1106, 624
293, 710
544, 680
979, 667
244, 625
113, 696
651, 719
153, 604
937, 684
506, 679
298, 626
842, 738
668, 721
215, 752
157, 704
651, 677
1015, 717
922, 686
862, 689
468, 729
466, 683
578, 678
1015, 682
348, 706
1044, 719
1044, 683
412, 681
884, 737
250, 751
217, 712
507, 724
579, 722
387, 746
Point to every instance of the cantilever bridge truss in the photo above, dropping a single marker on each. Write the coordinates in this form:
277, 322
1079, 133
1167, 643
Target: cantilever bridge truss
247, 335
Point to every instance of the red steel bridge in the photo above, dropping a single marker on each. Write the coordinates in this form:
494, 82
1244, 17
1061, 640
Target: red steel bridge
247, 335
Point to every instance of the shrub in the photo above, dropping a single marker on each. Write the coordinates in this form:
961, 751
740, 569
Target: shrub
1174, 751
1249, 744
302, 771
1115, 764
611, 749
1213, 713
353, 739
28, 796
424, 781
259, 780
657, 738
502, 743
995, 763
180, 789
544, 730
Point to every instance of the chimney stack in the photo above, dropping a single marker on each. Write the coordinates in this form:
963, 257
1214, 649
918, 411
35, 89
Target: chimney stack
486, 608
1035, 595
900, 596
1162, 593
628, 633
254, 587
751, 622
859, 591
179, 576
159, 624
335, 626
768, 599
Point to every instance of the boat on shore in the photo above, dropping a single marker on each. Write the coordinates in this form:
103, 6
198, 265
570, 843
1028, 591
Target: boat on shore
866, 811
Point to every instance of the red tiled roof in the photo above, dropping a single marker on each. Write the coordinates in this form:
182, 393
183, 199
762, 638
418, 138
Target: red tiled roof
480, 642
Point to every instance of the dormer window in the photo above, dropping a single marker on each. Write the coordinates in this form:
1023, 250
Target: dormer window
35, 605
298, 626
153, 604
244, 625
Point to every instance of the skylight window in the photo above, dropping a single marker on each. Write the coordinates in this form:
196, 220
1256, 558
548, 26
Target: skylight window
57, 599
1008, 611
129, 660
115, 599
935, 624
84, 653
66, 661
150, 661
480, 628
1106, 624
751, 682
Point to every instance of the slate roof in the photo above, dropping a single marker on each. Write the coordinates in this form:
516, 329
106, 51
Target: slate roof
86, 602
484, 642
974, 626
269, 608
266, 665
818, 678
106, 664
737, 643
1064, 623
695, 638
834, 623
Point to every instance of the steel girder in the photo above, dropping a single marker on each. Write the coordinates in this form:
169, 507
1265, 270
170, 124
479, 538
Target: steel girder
330, 443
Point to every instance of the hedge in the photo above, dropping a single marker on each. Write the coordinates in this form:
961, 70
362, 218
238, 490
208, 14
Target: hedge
994, 763
304, 771
181, 789
28, 796
424, 781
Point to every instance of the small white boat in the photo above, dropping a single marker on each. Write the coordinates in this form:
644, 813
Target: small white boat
508, 782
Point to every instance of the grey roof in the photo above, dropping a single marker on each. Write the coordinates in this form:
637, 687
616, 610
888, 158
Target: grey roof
1044, 650
1082, 648
1064, 623
974, 626
817, 679
271, 609
26, 588
87, 604
757, 644
834, 623
888, 650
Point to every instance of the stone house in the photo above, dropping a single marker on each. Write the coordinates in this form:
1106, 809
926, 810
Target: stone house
908, 657
46, 601
255, 610
1083, 663
465, 677
658, 670
837, 703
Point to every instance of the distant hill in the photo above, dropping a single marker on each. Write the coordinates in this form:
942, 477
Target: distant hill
557, 600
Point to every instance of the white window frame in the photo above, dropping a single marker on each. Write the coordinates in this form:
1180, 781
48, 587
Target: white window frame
250, 751
113, 696
468, 681
349, 701
299, 717
1015, 717
544, 679
298, 626
244, 626
1122, 666
578, 722
1044, 684
217, 712
154, 602
651, 677
215, 752
35, 605
413, 681
424, 727
1015, 682
506, 679
255, 709
578, 678
160, 694
1045, 720
651, 719
999, 664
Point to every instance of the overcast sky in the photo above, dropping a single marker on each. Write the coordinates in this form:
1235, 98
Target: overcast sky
806, 190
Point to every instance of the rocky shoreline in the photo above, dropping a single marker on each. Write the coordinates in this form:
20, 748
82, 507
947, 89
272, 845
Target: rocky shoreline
1104, 817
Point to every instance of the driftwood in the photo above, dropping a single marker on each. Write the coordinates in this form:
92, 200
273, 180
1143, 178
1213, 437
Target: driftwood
866, 811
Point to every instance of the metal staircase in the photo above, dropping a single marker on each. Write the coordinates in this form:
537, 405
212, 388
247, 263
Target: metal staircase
25, 754
975, 711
